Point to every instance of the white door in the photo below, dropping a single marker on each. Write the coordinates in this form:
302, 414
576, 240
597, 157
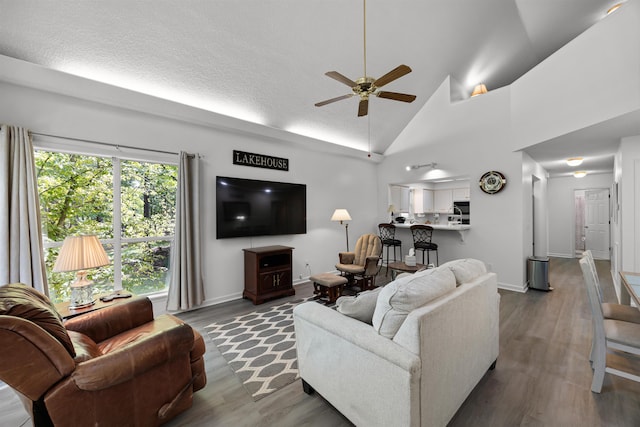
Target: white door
596, 223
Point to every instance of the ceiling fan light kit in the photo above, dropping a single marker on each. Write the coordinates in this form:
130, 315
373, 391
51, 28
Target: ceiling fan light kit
366, 86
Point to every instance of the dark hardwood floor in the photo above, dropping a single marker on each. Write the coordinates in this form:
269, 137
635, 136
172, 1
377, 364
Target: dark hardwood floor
543, 376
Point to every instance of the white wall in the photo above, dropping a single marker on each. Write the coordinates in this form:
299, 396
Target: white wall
630, 203
560, 192
532, 171
625, 237
482, 144
333, 180
592, 79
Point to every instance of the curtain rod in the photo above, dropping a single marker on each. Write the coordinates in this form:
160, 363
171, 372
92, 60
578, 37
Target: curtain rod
103, 143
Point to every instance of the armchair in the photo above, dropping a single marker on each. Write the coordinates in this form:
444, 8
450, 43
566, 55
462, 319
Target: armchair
117, 366
361, 265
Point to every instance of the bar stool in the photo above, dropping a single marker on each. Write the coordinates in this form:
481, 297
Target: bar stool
422, 240
388, 237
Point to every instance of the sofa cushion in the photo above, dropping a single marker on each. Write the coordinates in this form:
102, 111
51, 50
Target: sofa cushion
466, 270
401, 296
360, 306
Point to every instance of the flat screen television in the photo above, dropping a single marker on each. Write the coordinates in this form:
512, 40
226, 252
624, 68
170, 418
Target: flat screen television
249, 207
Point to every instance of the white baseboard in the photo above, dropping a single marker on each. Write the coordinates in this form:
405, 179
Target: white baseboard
515, 288
557, 255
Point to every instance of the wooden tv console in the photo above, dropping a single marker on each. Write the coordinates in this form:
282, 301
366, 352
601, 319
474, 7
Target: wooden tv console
267, 273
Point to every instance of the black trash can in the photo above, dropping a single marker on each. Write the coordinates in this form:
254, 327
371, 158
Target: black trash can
538, 273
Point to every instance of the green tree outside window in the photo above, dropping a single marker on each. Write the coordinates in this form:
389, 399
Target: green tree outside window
77, 197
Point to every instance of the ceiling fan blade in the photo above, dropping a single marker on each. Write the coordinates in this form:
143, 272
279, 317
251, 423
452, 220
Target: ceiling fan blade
396, 96
339, 98
363, 107
392, 75
342, 79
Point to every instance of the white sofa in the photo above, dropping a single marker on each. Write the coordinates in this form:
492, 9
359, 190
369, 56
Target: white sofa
422, 375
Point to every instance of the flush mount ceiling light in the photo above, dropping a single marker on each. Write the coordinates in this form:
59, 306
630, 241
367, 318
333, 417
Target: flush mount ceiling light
431, 165
480, 89
580, 174
614, 8
574, 161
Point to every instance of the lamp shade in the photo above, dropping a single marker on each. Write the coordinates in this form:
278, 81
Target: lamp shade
391, 209
81, 253
341, 215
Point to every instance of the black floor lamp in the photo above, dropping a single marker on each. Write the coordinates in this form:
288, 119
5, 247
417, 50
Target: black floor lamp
342, 215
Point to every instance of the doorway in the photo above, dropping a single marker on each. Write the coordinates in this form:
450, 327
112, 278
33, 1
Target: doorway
592, 226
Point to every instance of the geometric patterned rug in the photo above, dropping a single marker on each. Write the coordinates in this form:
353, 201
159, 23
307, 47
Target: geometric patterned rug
260, 347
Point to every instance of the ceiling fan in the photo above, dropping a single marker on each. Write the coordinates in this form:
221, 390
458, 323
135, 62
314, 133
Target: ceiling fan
366, 86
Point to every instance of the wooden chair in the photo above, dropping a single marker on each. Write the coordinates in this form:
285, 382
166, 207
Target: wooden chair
388, 237
616, 343
611, 310
422, 240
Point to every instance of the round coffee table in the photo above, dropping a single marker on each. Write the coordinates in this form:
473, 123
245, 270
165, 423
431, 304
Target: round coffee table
401, 267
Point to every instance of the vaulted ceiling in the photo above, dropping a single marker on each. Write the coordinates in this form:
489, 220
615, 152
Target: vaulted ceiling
264, 60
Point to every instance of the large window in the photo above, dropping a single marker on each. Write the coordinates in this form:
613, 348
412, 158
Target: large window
129, 204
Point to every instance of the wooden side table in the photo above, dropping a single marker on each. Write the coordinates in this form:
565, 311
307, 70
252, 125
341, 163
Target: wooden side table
403, 268
68, 313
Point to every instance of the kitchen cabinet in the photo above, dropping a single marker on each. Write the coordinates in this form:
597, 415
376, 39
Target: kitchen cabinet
443, 201
418, 205
400, 198
422, 200
461, 194
427, 200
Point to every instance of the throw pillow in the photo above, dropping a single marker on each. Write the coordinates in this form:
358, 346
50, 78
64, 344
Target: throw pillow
399, 298
466, 270
360, 306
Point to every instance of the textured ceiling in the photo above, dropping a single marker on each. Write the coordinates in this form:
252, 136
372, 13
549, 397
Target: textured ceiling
264, 60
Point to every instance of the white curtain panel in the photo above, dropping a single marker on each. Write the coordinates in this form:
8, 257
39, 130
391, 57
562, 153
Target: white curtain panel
21, 253
186, 288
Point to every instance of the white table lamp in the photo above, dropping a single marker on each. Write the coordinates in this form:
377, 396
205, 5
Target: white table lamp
80, 253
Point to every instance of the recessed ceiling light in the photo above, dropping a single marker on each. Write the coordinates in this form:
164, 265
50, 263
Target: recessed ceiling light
574, 161
580, 174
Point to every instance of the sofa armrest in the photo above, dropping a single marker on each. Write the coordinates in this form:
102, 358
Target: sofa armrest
134, 359
371, 265
113, 320
367, 377
33, 360
347, 257
358, 333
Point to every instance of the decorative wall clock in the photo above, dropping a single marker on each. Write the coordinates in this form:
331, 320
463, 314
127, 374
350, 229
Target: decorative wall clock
492, 182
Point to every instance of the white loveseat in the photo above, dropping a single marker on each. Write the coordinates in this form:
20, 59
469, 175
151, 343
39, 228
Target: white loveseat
421, 375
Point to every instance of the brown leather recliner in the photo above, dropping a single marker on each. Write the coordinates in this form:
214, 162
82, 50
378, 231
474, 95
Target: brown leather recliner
117, 366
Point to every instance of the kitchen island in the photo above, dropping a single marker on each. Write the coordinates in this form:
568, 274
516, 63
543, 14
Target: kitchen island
449, 238
460, 228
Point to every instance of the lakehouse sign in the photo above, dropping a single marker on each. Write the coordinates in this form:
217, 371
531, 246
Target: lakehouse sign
260, 161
